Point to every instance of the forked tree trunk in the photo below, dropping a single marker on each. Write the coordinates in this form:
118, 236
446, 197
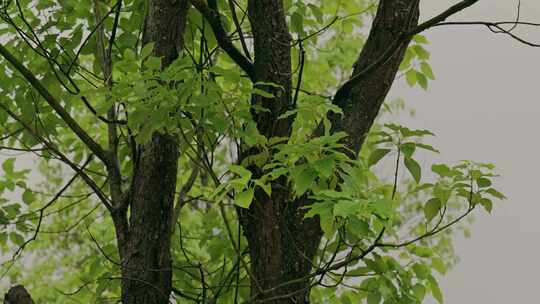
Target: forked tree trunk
361, 102
282, 244
145, 254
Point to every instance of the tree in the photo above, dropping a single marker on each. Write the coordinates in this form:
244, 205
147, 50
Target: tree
219, 152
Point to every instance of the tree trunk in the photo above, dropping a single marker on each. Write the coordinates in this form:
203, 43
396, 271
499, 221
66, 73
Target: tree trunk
146, 261
18, 295
274, 226
147, 273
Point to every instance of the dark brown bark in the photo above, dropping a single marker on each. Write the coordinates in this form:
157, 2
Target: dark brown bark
362, 100
281, 243
18, 295
146, 260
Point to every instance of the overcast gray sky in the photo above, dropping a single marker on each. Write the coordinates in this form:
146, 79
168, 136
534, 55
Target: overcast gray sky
484, 106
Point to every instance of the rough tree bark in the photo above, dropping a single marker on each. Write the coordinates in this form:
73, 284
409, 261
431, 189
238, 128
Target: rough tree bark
18, 295
145, 253
362, 96
264, 222
282, 244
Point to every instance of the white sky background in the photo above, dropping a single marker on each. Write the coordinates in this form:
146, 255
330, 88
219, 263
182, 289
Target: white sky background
484, 106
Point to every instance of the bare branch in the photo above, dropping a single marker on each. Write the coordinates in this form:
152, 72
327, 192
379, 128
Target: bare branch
47, 205
89, 181
212, 16
181, 196
496, 27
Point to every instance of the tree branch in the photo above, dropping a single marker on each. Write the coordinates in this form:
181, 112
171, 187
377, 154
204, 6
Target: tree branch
54, 150
47, 205
347, 86
213, 17
496, 27
239, 29
362, 95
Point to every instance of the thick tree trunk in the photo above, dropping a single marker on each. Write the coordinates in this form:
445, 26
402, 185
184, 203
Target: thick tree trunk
146, 261
18, 295
147, 273
274, 226
282, 246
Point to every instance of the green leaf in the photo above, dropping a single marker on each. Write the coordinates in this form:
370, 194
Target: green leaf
410, 76
426, 70
153, 63
304, 181
267, 188
427, 147
346, 208
316, 12
421, 271
421, 251
421, 52
383, 207
147, 50
297, 22
374, 298
414, 168
422, 80
431, 208
409, 133
28, 196
496, 193
319, 209
8, 166
358, 227
442, 192
129, 55
244, 198
408, 149
435, 290
420, 39
442, 170
358, 271
324, 166
262, 93
487, 204
419, 291
438, 265
377, 155
241, 171
483, 182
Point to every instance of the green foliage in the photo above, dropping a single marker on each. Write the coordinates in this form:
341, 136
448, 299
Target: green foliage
415, 65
